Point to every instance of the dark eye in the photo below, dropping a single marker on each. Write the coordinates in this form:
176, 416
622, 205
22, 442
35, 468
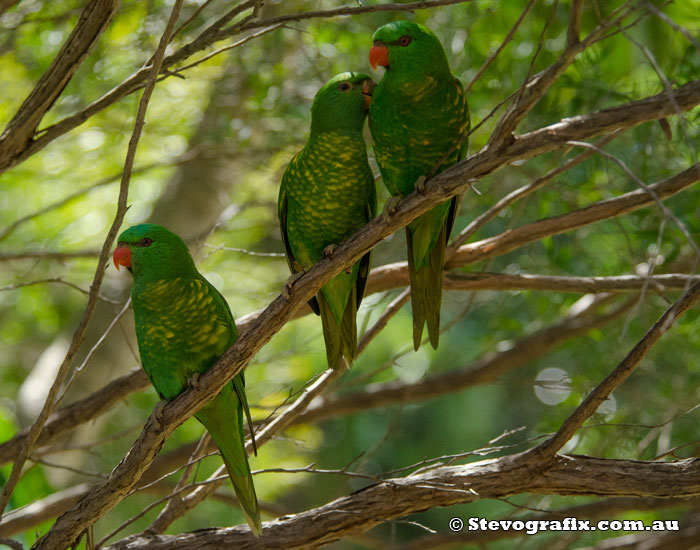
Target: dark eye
146, 241
405, 40
344, 87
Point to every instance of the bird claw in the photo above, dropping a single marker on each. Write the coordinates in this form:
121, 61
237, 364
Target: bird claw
420, 184
328, 251
289, 283
158, 412
390, 206
193, 381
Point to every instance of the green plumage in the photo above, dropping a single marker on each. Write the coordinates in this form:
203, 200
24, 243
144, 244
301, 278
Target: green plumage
183, 325
419, 121
327, 194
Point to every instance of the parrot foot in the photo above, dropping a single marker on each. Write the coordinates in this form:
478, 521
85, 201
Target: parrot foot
193, 381
328, 251
420, 184
289, 283
158, 412
390, 207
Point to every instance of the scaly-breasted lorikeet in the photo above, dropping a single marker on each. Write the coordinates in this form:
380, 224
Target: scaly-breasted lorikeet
327, 194
419, 122
183, 325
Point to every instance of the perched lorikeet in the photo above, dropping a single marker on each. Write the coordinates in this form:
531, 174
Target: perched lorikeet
183, 325
327, 194
419, 121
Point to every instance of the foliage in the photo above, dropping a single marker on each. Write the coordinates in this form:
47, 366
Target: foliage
217, 138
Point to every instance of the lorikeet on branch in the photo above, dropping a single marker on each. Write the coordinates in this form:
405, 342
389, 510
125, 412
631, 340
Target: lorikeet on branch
419, 121
183, 325
327, 194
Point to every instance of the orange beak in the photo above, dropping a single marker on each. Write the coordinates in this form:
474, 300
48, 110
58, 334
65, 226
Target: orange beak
122, 256
367, 89
379, 55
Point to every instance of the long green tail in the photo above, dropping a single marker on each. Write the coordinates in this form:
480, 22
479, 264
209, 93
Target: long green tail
426, 290
341, 339
223, 418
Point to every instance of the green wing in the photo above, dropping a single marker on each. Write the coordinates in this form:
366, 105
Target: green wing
282, 215
223, 418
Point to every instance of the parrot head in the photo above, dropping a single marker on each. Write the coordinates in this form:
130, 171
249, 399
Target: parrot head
151, 251
408, 47
342, 103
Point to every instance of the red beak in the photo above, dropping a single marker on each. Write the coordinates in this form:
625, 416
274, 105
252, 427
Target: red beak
379, 55
122, 256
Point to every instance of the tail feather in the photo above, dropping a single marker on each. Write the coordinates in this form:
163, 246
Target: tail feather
223, 418
331, 332
348, 329
417, 293
245, 491
341, 340
426, 289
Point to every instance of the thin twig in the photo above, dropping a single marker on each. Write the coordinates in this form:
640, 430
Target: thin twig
594, 399
79, 335
500, 48
54, 280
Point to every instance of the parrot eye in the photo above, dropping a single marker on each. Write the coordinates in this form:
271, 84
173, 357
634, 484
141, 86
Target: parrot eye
145, 242
345, 86
405, 40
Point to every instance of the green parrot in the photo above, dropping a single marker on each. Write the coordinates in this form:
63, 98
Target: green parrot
183, 325
419, 122
327, 194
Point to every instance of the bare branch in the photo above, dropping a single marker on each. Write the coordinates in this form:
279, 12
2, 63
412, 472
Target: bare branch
451, 182
483, 370
572, 33
54, 280
48, 255
75, 414
629, 202
393, 275
443, 486
495, 54
6, 5
604, 509
675, 26
36, 427
19, 131
524, 191
535, 88
10, 543
214, 33
594, 285
354, 10
619, 375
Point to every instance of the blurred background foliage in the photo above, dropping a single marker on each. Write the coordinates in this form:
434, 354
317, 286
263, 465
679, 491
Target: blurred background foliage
208, 166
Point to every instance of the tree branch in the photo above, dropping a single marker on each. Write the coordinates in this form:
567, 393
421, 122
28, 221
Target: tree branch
79, 335
443, 486
23, 149
594, 399
19, 131
605, 509
629, 202
449, 183
483, 370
